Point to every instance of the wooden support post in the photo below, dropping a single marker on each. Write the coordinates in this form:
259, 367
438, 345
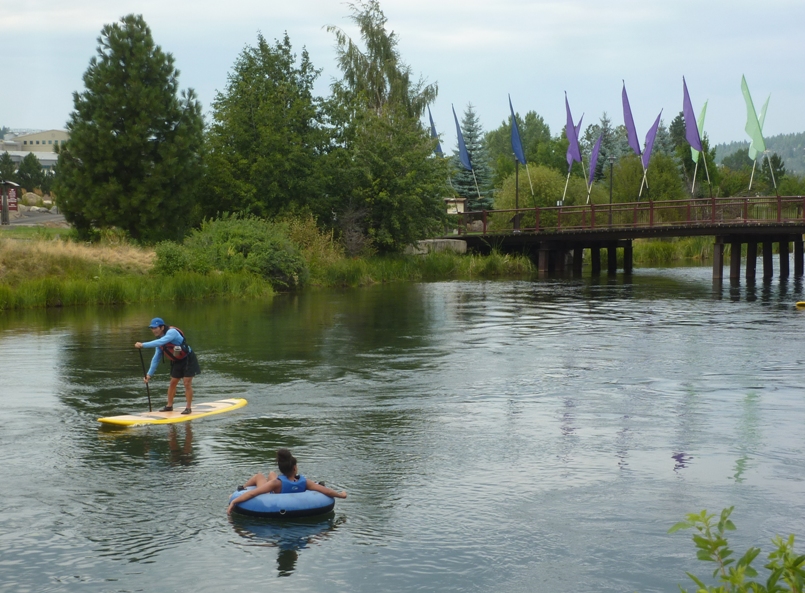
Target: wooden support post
768, 260
751, 260
627, 258
735, 260
578, 257
718, 259
798, 257
612, 258
784, 268
595, 258
543, 266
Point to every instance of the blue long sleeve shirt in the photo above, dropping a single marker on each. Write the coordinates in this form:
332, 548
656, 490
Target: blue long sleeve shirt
171, 336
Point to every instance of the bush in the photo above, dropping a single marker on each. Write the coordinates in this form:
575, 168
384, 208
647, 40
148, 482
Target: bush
237, 244
786, 571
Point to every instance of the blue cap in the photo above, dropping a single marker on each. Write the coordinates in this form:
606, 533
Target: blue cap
156, 322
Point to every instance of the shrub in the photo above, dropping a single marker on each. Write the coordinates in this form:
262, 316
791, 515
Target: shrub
786, 571
237, 244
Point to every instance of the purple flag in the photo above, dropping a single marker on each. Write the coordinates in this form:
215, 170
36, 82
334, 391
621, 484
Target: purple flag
463, 155
433, 134
594, 159
573, 150
631, 132
517, 145
691, 129
652, 133
578, 127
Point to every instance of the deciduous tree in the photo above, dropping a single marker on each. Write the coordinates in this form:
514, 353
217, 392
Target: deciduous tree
379, 173
265, 134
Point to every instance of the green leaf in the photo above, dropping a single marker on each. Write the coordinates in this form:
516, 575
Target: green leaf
696, 580
680, 525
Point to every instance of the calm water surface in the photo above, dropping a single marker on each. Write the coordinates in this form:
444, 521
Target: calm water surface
508, 436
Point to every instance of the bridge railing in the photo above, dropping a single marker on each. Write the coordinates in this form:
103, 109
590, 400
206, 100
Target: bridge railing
648, 214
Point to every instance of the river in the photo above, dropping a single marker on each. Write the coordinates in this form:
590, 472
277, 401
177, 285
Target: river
510, 436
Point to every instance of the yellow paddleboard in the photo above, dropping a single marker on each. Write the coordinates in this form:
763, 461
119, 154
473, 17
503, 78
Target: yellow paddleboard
800, 305
199, 411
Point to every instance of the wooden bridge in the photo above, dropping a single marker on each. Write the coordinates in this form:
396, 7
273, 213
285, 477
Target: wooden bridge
556, 237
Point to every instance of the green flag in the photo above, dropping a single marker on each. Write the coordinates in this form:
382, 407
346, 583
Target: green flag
752, 150
753, 127
700, 123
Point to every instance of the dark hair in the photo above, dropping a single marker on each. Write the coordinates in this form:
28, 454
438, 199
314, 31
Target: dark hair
286, 462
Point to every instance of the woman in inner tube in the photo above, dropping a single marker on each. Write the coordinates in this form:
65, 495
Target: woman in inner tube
286, 482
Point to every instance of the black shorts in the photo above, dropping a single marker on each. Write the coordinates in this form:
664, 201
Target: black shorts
187, 367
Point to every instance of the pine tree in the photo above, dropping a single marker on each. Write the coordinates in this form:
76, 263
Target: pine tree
133, 155
8, 169
30, 174
465, 183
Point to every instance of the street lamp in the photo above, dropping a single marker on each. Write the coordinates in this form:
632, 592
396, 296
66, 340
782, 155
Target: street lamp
611, 162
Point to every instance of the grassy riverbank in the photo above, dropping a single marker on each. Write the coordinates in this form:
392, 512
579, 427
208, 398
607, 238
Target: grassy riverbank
45, 268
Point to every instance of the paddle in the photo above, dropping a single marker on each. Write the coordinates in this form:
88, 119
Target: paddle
147, 389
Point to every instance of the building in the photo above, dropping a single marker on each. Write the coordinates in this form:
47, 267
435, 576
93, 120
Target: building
42, 144
35, 141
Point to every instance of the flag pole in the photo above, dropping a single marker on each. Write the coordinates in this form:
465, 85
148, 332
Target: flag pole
476, 184
564, 193
693, 186
644, 180
529, 179
772, 174
709, 185
752, 176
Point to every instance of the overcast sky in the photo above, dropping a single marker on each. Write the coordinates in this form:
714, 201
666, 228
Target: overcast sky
478, 51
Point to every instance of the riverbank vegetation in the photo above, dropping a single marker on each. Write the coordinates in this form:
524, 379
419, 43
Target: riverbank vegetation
243, 257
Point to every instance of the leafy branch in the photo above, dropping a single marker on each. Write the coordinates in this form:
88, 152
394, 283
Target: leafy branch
785, 566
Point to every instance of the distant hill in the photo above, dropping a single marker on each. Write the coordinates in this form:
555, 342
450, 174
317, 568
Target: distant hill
790, 147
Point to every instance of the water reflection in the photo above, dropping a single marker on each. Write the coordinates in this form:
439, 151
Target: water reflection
289, 537
171, 444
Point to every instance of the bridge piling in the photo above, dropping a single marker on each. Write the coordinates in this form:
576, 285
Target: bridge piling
595, 259
627, 258
768, 260
718, 259
798, 257
784, 267
751, 260
612, 258
578, 259
735, 261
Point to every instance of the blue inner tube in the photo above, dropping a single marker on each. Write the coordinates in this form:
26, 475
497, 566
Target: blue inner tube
284, 506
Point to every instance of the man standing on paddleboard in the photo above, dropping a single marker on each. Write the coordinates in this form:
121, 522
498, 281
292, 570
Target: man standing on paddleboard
171, 344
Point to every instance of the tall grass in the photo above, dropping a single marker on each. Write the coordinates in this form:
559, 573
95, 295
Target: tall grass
433, 266
116, 290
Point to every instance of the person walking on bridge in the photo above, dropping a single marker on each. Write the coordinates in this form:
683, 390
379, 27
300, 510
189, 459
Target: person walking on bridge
170, 343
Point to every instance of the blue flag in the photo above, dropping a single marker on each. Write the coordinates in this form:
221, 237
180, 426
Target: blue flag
517, 146
463, 155
433, 134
